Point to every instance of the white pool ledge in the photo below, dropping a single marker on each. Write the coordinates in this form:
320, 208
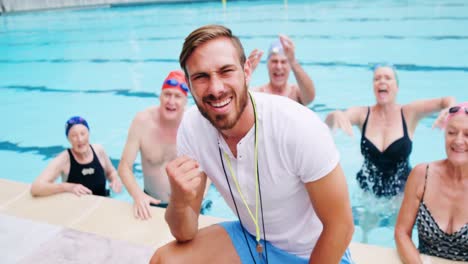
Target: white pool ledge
52, 228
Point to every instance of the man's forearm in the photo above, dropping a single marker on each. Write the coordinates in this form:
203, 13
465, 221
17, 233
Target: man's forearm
305, 83
332, 244
183, 222
128, 179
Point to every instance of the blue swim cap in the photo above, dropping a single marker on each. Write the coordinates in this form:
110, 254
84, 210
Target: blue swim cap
275, 48
75, 120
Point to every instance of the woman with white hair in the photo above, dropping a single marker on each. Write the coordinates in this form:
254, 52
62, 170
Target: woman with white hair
436, 199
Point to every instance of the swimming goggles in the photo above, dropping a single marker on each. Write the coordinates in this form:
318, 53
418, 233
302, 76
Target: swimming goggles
455, 109
75, 120
175, 83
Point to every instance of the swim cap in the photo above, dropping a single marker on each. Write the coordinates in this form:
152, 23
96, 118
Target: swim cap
459, 109
75, 120
275, 48
176, 80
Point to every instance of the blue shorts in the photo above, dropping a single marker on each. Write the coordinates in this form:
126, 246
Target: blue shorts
275, 255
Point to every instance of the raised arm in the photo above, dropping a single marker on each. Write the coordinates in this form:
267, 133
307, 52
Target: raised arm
407, 216
45, 185
345, 120
109, 169
419, 109
304, 82
330, 199
254, 58
141, 201
187, 188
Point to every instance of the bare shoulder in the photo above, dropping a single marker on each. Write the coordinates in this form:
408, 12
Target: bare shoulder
63, 156
436, 167
99, 149
142, 117
294, 87
295, 90
101, 154
357, 114
411, 109
420, 169
361, 110
261, 88
416, 179
62, 160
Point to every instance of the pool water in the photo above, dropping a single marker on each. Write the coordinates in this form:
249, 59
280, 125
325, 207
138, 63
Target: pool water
108, 64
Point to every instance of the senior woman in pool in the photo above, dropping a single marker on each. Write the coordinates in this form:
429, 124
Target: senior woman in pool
387, 129
84, 167
436, 197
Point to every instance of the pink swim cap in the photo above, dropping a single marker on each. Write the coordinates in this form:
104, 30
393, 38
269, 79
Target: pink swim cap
459, 109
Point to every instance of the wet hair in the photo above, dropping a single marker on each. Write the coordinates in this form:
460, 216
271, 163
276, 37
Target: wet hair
205, 34
387, 65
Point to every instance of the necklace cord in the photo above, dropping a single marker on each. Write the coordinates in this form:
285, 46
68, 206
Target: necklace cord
257, 172
235, 205
258, 193
236, 182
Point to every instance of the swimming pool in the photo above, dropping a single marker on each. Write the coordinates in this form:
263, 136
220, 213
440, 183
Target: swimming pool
108, 64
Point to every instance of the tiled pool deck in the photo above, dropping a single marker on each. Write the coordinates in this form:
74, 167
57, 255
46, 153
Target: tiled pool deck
65, 228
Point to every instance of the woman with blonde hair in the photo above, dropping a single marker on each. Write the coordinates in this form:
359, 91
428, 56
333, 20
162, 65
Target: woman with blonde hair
387, 130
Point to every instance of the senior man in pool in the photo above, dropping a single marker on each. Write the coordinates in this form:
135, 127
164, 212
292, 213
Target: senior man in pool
153, 133
279, 174
280, 61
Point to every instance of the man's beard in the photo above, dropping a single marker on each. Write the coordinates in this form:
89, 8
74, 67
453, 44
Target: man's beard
222, 122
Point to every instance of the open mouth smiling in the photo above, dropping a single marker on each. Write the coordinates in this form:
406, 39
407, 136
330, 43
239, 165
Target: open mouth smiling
171, 109
220, 103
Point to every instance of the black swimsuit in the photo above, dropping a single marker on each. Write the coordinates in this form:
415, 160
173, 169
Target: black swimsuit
385, 173
90, 175
435, 241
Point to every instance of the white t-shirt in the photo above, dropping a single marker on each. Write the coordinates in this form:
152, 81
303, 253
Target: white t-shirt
294, 147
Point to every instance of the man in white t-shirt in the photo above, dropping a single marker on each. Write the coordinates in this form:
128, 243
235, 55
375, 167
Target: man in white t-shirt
272, 160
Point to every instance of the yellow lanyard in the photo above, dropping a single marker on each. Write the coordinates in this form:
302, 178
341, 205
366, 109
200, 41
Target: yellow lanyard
254, 218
